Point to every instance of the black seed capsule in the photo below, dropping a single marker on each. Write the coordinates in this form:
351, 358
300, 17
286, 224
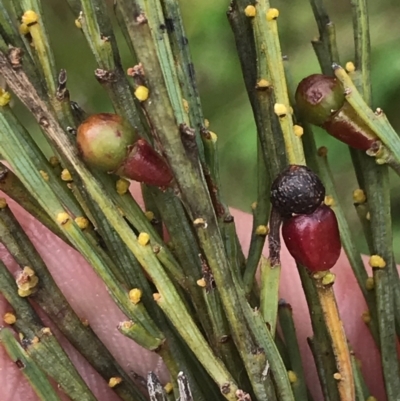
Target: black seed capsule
297, 190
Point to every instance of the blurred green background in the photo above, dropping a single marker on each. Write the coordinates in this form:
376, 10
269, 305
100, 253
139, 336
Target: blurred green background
221, 86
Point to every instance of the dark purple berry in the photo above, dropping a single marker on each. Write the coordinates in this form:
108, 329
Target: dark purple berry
297, 190
313, 240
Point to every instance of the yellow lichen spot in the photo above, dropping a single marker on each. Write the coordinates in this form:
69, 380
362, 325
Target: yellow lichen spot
168, 388
272, 13
369, 283
54, 161
214, 136
298, 130
30, 17
9, 318
254, 205
185, 104
122, 186
263, 83
250, 11
149, 215
5, 97
359, 196
114, 381
350, 67
62, 218
377, 261
66, 175
44, 175
292, 376
280, 109
156, 296
23, 29
261, 230
142, 93
135, 295
143, 239
206, 123
201, 283
29, 271
337, 376
82, 222
329, 200
328, 279
366, 317
3, 203
322, 151
368, 216
78, 23
24, 293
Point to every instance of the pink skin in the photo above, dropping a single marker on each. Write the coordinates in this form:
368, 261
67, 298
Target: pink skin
90, 300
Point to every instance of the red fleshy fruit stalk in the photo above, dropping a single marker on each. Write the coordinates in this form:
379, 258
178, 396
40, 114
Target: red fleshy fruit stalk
144, 164
321, 101
108, 143
313, 239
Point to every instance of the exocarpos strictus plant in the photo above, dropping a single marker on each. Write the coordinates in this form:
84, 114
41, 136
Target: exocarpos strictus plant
146, 256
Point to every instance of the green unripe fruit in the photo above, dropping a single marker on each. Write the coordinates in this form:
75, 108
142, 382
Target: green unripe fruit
104, 141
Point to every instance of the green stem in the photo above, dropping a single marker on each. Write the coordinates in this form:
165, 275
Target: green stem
35, 376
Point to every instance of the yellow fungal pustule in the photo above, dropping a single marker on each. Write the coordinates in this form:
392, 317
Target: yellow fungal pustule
214, 136
337, 376
47, 331
78, 23
135, 295
66, 175
29, 271
9, 318
29, 17
368, 216
262, 230
201, 283
185, 106
5, 97
24, 293
263, 83
156, 296
350, 67
359, 196
329, 200
3, 203
23, 29
254, 206
143, 239
250, 11
54, 161
44, 175
149, 215
114, 381
62, 218
82, 222
168, 388
122, 186
377, 262
142, 93
280, 109
369, 283
328, 279
206, 123
366, 317
272, 14
298, 130
292, 376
